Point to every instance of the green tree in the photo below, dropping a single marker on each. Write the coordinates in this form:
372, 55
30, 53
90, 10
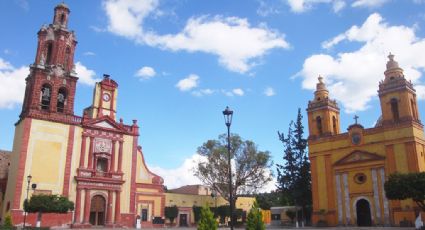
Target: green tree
196, 212
294, 176
255, 219
406, 186
271, 199
48, 204
207, 220
250, 172
171, 212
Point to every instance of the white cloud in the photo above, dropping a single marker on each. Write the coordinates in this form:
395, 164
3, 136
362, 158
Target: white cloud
89, 53
85, 76
368, 3
185, 173
300, 6
12, 87
236, 43
353, 76
266, 8
269, 91
188, 83
238, 92
146, 72
203, 92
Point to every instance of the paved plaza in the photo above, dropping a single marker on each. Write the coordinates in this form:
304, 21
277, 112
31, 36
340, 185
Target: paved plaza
305, 228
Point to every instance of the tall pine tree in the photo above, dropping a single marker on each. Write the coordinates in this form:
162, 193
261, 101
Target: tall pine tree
294, 178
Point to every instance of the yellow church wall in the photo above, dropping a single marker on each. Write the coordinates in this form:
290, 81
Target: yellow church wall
143, 176
156, 207
126, 167
75, 162
116, 97
47, 146
147, 190
14, 163
321, 174
400, 158
421, 156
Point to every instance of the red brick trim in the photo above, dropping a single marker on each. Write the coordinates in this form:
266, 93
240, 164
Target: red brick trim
22, 162
133, 176
65, 191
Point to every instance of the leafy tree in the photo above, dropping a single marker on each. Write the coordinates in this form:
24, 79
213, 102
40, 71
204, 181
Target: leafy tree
255, 219
48, 204
250, 167
406, 186
171, 212
272, 199
196, 212
207, 220
294, 176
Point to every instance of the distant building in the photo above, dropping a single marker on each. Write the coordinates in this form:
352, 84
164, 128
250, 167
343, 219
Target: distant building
188, 196
94, 160
348, 169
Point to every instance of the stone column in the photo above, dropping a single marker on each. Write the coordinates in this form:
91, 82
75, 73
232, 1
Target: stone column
346, 199
87, 202
120, 156
339, 197
83, 151
376, 197
117, 207
109, 211
77, 216
90, 161
112, 167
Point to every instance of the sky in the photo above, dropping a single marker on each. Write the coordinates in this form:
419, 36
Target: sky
179, 63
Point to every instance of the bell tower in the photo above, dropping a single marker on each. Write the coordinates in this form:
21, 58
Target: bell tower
51, 84
397, 96
104, 99
323, 113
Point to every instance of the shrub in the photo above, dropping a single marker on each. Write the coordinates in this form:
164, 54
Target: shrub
255, 219
207, 220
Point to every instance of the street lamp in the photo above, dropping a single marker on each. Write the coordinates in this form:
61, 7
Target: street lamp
29, 177
228, 114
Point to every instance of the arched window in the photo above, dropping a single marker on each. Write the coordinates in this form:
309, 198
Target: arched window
414, 110
394, 109
334, 125
46, 94
49, 53
61, 100
66, 61
319, 125
102, 165
62, 18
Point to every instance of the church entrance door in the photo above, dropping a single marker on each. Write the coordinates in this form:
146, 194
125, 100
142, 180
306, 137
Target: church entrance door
363, 213
97, 211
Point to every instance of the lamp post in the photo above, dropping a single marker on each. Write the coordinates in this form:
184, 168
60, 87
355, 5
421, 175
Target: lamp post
29, 177
228, 114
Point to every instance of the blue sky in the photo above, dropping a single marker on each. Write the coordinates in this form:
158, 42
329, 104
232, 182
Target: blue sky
180, 63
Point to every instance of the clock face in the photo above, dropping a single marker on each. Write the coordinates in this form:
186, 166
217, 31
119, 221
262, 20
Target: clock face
106, 97
355, 138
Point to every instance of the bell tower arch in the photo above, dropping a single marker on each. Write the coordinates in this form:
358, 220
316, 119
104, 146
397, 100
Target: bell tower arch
51, 84
397, 96
323, 113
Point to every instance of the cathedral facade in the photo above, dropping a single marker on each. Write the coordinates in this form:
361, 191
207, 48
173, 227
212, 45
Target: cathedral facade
349, 169
92, 159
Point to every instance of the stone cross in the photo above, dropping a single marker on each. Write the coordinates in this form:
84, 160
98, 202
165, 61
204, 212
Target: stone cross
355, 118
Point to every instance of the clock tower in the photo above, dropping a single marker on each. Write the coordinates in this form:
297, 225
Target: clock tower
104, 99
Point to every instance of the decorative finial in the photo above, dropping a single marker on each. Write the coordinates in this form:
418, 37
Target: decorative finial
320, 79
355, 118
391, 56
